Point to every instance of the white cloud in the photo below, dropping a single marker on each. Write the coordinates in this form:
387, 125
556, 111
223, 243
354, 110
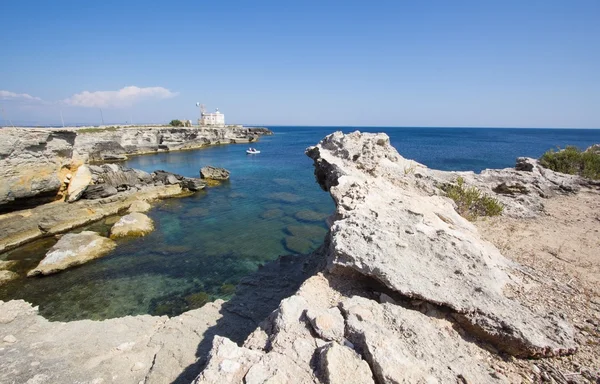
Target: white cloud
124, 97
7, 95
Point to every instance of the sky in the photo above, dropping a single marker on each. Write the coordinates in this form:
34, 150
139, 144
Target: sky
496, 63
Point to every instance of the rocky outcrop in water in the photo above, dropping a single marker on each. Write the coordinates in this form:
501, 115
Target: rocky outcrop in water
73, 249
132, 225
418, 292
214, 173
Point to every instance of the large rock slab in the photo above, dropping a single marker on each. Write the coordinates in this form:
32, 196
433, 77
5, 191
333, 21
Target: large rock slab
407, 346
390, 228
79, 183
133, 224
133, 349
73, 249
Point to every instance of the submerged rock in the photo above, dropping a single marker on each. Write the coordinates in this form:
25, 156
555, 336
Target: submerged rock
306, 231
312, 216
285, 197
73, 249
214, 173
133, 224
6, 276
272, 214
298, 244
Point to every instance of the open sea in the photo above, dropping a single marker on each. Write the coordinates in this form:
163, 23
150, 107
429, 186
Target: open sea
204, 244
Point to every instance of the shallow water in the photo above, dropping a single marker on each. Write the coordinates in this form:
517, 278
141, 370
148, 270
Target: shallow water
204, 244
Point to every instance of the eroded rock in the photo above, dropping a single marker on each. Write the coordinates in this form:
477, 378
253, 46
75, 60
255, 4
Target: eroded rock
73, 249
388, 227
79, 183
214, 173
139, 206
133, 224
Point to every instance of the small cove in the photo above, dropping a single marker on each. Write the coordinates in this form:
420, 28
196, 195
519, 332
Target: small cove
204, 244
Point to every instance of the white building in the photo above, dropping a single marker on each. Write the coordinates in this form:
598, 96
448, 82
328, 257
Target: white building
215, 119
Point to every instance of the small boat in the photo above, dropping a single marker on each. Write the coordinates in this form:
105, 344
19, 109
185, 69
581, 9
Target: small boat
252, 151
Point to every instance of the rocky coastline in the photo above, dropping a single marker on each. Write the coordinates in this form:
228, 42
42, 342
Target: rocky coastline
36, 162
403, 289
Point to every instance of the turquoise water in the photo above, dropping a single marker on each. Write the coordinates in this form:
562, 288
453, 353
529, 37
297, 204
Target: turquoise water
205, 243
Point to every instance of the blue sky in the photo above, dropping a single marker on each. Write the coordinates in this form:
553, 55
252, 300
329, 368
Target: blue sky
493, 63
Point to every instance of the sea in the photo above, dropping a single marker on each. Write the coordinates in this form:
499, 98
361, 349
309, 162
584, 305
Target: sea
271, 206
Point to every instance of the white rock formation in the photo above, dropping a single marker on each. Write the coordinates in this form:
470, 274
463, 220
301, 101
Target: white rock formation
79, 182
133, 224
73, 249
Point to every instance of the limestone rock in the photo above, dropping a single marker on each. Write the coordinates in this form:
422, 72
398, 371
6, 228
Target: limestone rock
167, 178
79, 183
133, 224
329, 325
214, 173
6, 276
193, 184
73, 249
388, 227
31, 161
99, 191
403, 345
139, 206
227, 363
342, 365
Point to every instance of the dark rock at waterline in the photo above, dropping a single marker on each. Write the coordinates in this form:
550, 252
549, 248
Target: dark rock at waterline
166, 178
214, 173
193, 184
117, 176
99, 191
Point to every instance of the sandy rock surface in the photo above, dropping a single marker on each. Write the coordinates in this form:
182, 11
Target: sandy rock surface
132, 224
139, 206
73, 249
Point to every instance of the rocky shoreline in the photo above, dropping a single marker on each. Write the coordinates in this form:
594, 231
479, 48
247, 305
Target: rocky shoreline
404, 289
35, 162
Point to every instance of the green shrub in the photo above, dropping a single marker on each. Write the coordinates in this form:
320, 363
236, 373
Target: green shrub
176, 123
470, 202
573, 161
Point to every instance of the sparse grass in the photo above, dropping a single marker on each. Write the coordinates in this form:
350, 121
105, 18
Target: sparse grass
470, 201
410, 170
573, 161
96, 130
